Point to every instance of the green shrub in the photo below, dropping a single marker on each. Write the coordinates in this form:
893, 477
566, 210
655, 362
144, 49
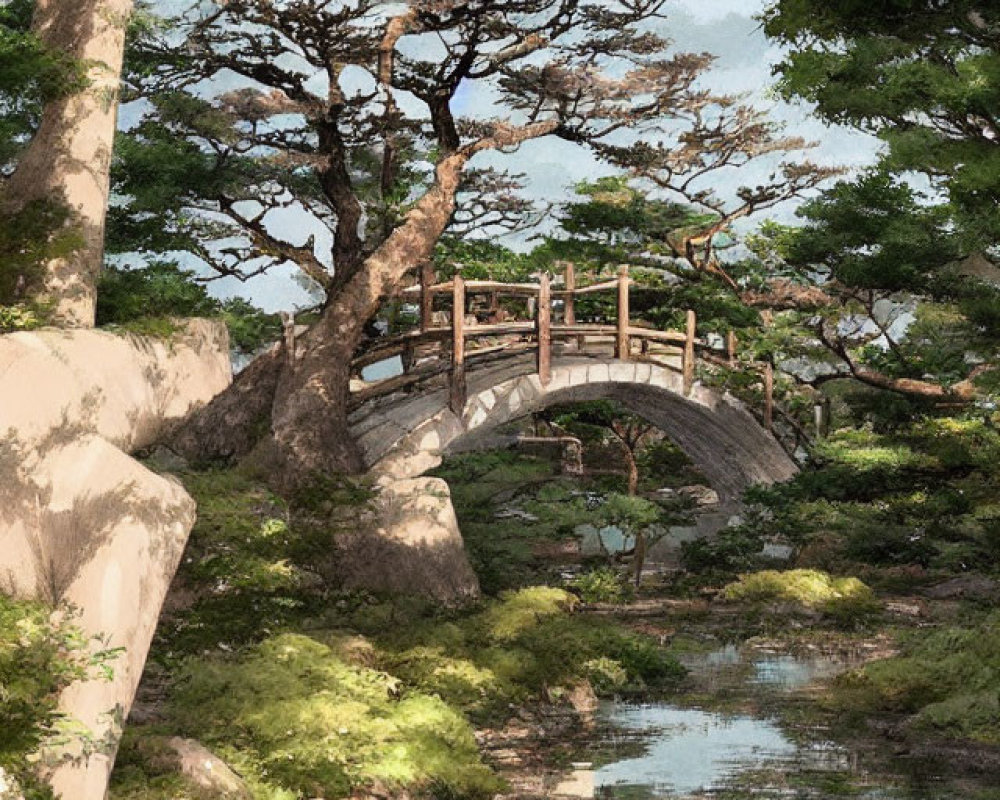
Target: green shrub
606, 675
602, 585
39, 658
294, 714
731, 550
517, 612
947, 681
20, 317
842, 598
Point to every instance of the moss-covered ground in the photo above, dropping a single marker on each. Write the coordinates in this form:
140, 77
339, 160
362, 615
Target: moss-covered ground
310, 691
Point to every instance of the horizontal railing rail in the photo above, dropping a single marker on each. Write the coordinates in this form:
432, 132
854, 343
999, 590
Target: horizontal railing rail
423, 351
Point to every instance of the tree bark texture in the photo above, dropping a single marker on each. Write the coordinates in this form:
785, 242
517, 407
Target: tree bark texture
68, 160
305, 398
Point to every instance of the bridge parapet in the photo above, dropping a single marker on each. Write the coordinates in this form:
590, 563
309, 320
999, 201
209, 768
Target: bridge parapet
407, 437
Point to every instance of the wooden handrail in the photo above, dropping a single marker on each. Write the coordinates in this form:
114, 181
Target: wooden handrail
544, 332
398, 344
593, 288
483, 287
476, 287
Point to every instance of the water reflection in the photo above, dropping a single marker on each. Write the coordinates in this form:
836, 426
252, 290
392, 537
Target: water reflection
668, 750
688, 750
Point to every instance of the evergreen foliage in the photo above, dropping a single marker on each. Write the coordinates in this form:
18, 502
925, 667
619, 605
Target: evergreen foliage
922, 75
150, 299
30, 76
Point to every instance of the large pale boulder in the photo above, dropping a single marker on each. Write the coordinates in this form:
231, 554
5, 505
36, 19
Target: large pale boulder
84, 526
412, 546
128, 389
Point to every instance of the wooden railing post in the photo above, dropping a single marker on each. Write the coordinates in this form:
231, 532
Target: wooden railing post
687, 363
731, 348
622, 343
544, 323
569, 309
426, 297
457, 399
769, 396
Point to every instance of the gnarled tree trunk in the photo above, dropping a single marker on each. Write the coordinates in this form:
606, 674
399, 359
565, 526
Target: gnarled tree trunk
305, 397
68, 160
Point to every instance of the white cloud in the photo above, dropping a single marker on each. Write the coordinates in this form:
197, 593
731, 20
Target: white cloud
712, 10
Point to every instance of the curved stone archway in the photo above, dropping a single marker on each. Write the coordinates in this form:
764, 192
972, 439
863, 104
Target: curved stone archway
405, 438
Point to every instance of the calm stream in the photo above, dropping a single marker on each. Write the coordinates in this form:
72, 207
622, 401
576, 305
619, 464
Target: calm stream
681, 750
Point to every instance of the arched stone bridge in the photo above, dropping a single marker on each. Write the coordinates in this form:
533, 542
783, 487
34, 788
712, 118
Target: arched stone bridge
404, 435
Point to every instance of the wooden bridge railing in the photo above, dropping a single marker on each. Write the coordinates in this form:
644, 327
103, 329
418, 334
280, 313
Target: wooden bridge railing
539, 333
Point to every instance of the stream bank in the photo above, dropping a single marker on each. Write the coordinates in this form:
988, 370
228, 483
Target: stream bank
562, 672
750, 721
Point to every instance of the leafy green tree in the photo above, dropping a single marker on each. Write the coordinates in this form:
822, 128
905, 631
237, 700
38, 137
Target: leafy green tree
63, 91
602, 422
632, 514
923, 75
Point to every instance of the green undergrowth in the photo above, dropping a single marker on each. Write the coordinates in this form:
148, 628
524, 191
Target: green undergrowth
324, 712
252, 568
308, 690
520, 645
946, 682
39, 657
899, 509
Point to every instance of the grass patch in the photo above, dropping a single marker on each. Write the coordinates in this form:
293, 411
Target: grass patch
946, 682
845, 599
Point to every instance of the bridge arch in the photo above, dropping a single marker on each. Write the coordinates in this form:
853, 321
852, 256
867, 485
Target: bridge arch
406, 436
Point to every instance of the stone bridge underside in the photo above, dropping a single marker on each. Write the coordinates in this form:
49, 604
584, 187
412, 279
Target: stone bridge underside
404, 435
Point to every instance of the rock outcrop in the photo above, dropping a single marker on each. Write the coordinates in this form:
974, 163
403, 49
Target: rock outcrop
206, 770
125, 388
82, 524
412, 546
